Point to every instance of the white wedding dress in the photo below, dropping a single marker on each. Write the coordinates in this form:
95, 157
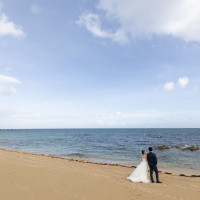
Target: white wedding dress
140, 174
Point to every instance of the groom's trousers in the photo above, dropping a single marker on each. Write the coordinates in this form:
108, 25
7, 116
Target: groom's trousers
153, 168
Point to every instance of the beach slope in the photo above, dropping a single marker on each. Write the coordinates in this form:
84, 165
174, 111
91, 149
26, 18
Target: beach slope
25, 176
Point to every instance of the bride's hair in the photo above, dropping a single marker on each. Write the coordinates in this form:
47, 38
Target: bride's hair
143, 152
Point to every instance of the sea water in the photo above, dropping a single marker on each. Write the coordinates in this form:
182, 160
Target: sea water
118, 146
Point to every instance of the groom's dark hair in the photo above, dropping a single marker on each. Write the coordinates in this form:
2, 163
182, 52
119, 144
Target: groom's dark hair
150, 149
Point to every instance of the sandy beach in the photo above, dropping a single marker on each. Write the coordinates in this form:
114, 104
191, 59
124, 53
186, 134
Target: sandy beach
25, 176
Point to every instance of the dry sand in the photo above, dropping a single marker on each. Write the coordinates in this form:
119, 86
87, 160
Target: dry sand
25, 176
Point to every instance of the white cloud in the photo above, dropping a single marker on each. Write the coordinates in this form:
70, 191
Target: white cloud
118, 113
8, 27
7, 90
6, 84
93, 24
183, 81
35, 9
8, 79
144, 18
169, 86
8, 68
100, 122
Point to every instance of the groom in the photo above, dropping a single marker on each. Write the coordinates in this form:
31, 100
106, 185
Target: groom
152, 161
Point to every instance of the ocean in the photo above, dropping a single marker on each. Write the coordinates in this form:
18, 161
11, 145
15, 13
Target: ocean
176, 149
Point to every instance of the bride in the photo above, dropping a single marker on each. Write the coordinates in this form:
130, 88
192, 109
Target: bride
140, 173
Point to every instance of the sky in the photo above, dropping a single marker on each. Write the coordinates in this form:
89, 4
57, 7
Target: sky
99, 64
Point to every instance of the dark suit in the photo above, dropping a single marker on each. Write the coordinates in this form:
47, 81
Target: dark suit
152, 161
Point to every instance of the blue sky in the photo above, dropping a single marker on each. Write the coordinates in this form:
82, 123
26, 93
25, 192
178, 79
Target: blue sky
96, 64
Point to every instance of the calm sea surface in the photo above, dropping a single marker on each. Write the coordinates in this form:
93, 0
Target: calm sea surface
119, 146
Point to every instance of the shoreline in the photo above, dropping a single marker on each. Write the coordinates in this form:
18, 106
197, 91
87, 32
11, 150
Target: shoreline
30, 176
162, 170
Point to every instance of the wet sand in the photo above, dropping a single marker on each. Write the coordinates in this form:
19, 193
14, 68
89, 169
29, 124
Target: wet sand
25, 176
